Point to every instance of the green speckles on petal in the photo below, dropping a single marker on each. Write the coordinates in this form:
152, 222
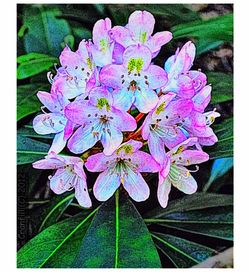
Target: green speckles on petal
89, 63
143, 37
160, 108
128, 149
135, 64
102, 102
103, 45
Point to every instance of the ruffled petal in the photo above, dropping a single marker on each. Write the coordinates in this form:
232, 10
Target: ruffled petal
155, 42
199, 79
163, 191
129, 148
82, 194
173, 137
156, 77
48, 163
111, 140
106, 184
145, 162
58, 143
136, 58
188, 157
123, 99
136, 186
141, 24
100, 33
99, 93
49, 123
182, 179
118, 53
82, 140
145, 100
49, 101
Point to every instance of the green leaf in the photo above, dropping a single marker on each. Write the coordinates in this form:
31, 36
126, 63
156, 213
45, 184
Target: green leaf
33, 64
222, 87
29, 150
224, 147
205, 214
27, 101
183, 253
57, 245
28, 131
209, 34
120, 237
46, 31
219, 168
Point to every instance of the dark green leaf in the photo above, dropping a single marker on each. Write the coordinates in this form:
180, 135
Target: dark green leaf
219, 168
222, 85
33, 64
120, 237
206, 214
57, 245
183, 253
224, 147
46, 31
29, 150
204, 45
27, 101
28, 131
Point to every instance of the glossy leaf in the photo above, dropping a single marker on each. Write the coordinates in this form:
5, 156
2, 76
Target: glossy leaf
33, 64
57, 245
45, 29
29, 150
121, 238
219, 168
224, 147
27, 101
222, 87
183, 253
205, 214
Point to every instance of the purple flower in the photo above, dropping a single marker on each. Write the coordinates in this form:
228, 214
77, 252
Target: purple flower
102, 47
77, 74
135, 80
182, 81
139, 31
100, 120
163, 125
174, 171
55, 121
122, 167
69, 175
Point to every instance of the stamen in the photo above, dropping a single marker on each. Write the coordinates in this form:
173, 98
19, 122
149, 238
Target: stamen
194, 170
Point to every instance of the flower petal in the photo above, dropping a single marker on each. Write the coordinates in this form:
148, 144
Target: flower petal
49, 123
141, 24
156, 147
163, 191
106, 184
68, 130
111, 140
157, 77
136, 186
82, 194
136, 58
182, 179
100, 33
145, 100
155, 42
123, 99
121, 35
123, 120
49, 101
145, 162
98, 162
110, 75
58, 143
48, 163
62, 181
188, 157
82, 140
202, 98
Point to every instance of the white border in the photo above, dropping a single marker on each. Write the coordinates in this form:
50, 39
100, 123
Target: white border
8, 130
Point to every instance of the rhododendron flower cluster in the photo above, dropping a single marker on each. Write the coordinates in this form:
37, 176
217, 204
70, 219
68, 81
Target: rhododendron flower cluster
122, 115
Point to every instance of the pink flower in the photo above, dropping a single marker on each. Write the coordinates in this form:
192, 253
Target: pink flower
174, 171
135, 80
122, 167
139, 31
69, 175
